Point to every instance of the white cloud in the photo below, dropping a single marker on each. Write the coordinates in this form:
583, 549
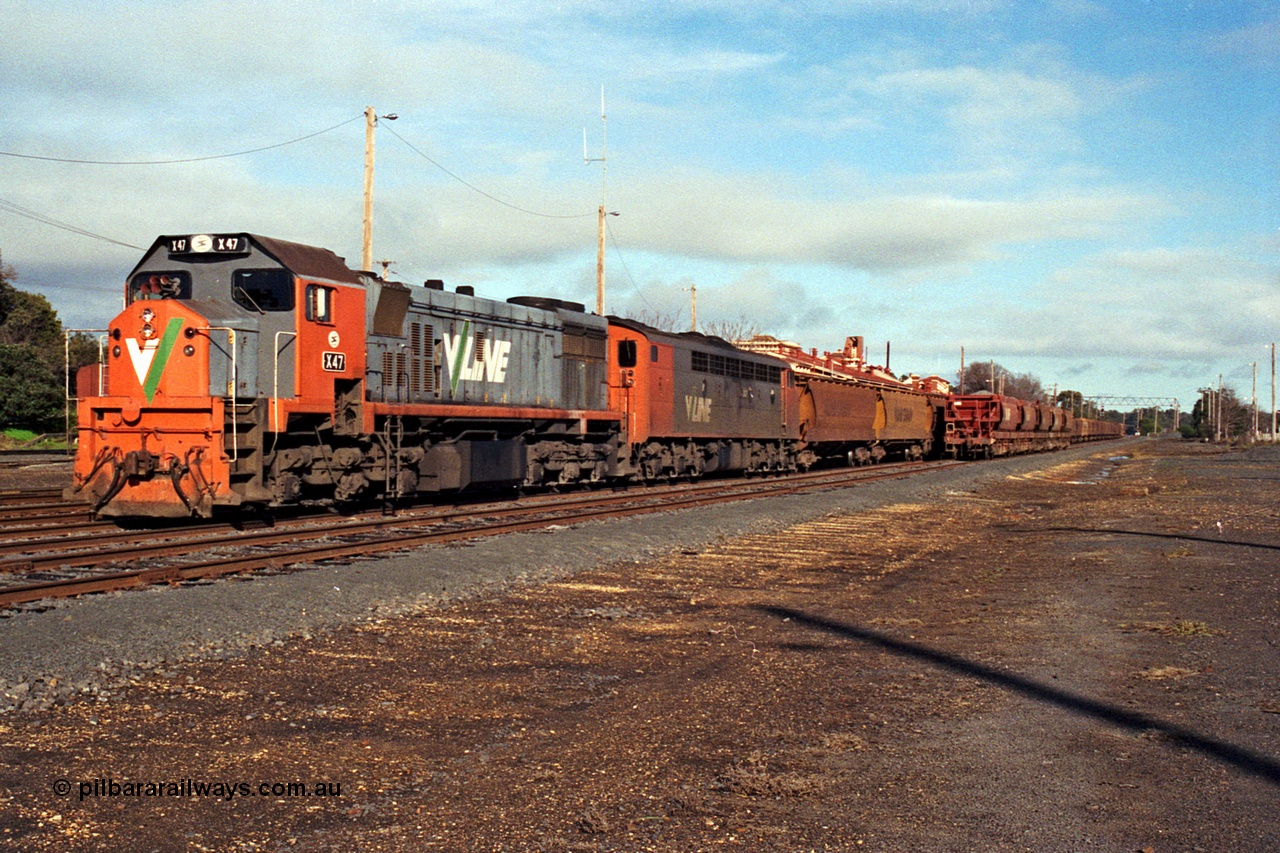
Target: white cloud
1258, 45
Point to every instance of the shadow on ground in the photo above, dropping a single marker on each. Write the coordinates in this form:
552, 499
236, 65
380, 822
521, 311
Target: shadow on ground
1246, 760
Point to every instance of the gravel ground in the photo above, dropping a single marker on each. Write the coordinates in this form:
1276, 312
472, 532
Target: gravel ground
93, 645
1033, 655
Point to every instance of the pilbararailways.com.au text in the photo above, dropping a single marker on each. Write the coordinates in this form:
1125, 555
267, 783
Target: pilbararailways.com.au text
222, 789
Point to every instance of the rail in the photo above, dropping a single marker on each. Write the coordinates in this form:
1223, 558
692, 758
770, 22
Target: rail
306, 541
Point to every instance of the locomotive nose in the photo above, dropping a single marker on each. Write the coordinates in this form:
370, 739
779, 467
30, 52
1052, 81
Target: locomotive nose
157, 352
151, 444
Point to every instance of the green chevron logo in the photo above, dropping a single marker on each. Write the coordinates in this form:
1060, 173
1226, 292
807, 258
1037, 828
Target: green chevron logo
149, 358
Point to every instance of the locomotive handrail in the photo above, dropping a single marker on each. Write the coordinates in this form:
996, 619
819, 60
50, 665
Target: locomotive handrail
66, 371
231, 386
275, 382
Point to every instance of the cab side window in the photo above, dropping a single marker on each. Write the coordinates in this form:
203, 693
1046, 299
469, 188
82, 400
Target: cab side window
263, 290
627, 353
319, 303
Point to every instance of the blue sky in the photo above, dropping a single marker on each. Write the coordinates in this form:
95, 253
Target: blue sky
1087, 191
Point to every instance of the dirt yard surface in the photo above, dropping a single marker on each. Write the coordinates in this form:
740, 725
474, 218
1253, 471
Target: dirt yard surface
1083, 658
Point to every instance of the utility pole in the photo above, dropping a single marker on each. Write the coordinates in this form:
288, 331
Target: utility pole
1254, 435
1273, 392
693, 292
961, 370
602, 160
1221, 433
370, 121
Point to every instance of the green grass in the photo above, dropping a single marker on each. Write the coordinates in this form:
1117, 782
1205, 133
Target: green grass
25, 439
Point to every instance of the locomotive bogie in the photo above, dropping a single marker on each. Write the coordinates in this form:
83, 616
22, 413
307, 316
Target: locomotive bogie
410, 455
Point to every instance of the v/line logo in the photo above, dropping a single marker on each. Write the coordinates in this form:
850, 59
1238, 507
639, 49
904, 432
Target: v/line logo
697, 409
461, 361
150, 357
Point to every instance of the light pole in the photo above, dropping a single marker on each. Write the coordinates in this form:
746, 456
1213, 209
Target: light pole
692, 290
603, 160
370, 121
1223, 432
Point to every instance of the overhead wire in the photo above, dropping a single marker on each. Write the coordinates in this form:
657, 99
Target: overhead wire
183, 159
472, 186
613, 238
18, 210
621, 260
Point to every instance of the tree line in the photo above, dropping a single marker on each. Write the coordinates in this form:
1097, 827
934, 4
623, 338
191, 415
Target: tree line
33, 358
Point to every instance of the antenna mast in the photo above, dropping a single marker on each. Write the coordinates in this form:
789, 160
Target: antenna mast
602, 159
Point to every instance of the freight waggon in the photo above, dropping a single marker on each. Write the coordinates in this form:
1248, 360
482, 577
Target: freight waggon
983, 425
857, 412
246, 372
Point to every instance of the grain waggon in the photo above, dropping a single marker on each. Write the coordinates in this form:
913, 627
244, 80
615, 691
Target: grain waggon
856, 412
983, 425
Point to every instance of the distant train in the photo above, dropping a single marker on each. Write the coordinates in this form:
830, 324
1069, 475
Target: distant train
250, 372
980, 426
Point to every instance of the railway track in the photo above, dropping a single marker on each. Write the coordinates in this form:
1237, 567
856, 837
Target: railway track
15, 499
102, 558
25, 458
